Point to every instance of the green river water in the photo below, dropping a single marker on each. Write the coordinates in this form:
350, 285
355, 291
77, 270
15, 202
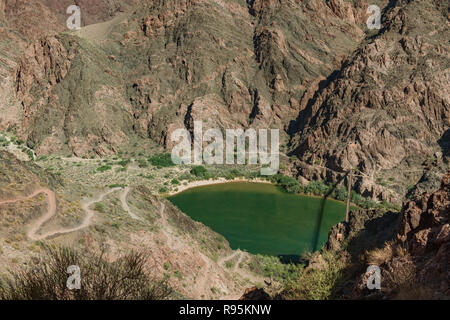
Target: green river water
261, 218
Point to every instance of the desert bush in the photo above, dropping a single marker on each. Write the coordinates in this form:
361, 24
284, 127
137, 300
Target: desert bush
142, 163
379, 256
185, 176
289, 184
99, 207
117, 185
320, 282
162, 160
104, 168
232, 174
339, 193
200, 172
124, 162
272, 267
126, 278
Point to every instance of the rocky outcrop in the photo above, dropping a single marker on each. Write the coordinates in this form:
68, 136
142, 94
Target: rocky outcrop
425, 229
343, 96
255, 293
415, 256
228, 64
386, 109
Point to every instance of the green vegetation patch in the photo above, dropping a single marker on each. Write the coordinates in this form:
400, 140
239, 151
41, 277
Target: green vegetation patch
162, 160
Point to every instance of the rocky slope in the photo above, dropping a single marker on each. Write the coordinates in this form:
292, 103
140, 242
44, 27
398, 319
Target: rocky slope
344, 96
412, 249
190, 254
387, 110
168, 64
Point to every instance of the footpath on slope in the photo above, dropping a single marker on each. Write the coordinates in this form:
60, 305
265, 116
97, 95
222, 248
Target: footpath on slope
32, 232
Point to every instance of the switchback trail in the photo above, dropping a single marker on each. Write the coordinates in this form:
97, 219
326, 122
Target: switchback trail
50, 212
35, 226
123, 200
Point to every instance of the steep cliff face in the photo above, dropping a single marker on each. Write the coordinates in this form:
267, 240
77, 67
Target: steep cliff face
344, 96
71, 98
386, 111
411, 248
231, 64
425, 228
34, 60
234, 64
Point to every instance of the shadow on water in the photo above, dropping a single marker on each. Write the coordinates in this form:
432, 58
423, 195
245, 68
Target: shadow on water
321, 212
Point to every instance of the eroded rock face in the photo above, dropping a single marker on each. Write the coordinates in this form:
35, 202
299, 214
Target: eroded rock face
411, 248
379, 113
344, 96
425, 228
425, 221
416, 262
227, 63
244, 67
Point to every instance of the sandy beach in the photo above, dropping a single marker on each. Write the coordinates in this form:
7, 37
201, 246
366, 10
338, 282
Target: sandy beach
200, 183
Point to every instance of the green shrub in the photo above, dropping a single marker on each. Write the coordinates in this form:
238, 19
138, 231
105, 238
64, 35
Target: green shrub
100, 207
163, 190
162, 160
115, 225
200, 172
185, 176
289, 184
104, 168
272, 267
123, 162
320, 283
117, 185
142, 163
317, 187
177, 274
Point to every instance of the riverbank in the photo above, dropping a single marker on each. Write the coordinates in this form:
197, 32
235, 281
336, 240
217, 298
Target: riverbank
261, 218
201, 183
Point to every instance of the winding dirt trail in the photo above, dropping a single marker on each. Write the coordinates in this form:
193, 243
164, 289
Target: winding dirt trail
123, 200
50, 212
231, 257
87, 220
34, 228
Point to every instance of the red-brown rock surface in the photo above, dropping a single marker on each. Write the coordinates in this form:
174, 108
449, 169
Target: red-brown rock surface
343, 96
387, 110
425, 228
